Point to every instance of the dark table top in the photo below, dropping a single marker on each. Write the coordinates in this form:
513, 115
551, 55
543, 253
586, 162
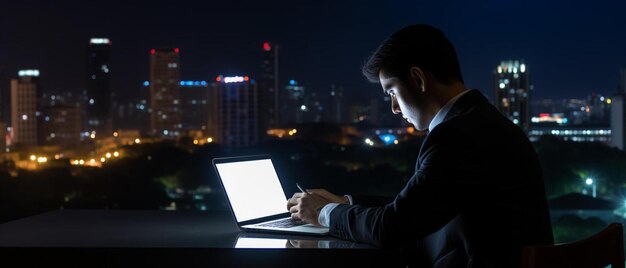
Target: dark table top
148, 229
130, 238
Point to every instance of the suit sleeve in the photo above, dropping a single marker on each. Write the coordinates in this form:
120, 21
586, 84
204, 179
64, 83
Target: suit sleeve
432, 197
370, 200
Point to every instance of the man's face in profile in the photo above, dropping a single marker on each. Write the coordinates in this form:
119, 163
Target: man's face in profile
405, 100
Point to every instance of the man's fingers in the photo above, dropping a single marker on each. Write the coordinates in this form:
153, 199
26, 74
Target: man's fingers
294, 209
293, 201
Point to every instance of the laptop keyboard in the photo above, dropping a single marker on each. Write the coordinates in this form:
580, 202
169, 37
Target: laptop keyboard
284, 223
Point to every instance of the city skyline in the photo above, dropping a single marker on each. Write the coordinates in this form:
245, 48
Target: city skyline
326, 44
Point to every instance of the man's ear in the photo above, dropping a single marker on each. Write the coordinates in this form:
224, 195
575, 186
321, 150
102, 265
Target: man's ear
419, 78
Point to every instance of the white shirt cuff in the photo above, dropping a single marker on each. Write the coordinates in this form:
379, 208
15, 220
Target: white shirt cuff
324, 217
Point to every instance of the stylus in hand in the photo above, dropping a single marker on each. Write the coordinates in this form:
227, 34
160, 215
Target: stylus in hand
300, 187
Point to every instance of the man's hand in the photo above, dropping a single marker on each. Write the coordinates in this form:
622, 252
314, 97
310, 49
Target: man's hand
307, 206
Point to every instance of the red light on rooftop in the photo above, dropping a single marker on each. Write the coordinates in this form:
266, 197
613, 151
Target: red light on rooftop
176, 50
218, 79
266, 46
152, 51
544, 115
245, 78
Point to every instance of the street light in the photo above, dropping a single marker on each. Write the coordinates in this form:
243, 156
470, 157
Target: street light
589, 181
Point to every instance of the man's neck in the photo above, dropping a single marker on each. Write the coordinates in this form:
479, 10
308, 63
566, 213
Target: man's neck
447, 92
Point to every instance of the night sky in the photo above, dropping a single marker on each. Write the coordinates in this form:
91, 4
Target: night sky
570, 48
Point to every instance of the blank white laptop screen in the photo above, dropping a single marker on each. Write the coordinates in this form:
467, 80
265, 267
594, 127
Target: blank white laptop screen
253, 189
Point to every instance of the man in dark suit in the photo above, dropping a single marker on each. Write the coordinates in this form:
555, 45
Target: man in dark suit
477, 195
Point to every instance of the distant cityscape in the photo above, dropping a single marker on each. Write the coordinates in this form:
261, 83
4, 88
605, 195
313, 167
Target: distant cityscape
240, 110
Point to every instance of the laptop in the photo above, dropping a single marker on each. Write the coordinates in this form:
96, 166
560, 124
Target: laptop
256, 198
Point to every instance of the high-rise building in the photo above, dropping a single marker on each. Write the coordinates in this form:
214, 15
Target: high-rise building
164, 92
3, 111
98, 87
512, 88
618, 110
268, 89
24, 95
236, 111
131, 112
316, 108
336, 107
62, 125
618, 122
292, 103
194, 96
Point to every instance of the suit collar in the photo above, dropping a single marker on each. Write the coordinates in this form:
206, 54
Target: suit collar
465, 102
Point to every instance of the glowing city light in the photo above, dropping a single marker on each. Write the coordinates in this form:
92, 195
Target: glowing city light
33, 157
32, 72
137, 141
99, 41
388, 138
115, 134
116, 154
233, 79
589, 181
209, 140
108, 155
42, 159
266, 46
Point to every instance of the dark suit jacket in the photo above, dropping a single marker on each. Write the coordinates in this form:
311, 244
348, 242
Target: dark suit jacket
476, 198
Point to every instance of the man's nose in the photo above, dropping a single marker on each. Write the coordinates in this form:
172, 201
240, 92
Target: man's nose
395, 108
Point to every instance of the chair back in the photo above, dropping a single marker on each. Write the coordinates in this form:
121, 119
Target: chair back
604, 248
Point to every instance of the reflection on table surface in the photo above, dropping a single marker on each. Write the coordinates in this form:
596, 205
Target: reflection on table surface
278, 241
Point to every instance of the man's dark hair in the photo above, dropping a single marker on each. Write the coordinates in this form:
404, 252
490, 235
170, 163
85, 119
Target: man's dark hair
418, 45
